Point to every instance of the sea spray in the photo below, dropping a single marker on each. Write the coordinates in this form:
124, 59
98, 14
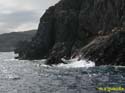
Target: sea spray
75, 63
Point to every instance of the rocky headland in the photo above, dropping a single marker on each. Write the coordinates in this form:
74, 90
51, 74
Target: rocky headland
89, 29
8, 41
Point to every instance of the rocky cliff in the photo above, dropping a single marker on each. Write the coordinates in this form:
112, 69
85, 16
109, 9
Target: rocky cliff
106, 50
70, 25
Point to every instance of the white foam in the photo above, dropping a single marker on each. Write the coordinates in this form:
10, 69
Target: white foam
75, 63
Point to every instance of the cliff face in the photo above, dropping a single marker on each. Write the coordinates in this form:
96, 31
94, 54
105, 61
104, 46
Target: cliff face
70, 25
106, 50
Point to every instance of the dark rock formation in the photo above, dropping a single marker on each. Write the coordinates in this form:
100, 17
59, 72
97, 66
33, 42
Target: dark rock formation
71, 24
106, 50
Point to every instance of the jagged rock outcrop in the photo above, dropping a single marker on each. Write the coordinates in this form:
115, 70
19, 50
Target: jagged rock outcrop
71, 24
106, 50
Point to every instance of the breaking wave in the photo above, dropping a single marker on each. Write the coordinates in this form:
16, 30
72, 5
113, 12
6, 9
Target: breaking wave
75, 63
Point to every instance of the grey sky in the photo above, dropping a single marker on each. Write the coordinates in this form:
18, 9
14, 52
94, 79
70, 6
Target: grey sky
21, 15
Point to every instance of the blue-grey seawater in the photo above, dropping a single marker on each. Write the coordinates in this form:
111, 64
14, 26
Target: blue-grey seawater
22, 76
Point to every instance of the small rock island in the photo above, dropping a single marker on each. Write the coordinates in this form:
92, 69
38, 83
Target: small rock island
91, 29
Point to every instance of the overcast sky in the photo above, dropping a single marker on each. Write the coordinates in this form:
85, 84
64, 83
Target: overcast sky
21, 15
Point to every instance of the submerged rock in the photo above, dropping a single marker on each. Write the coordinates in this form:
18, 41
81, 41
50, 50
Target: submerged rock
70, 25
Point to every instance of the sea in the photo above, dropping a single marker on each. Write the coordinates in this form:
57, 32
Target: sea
24, 76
